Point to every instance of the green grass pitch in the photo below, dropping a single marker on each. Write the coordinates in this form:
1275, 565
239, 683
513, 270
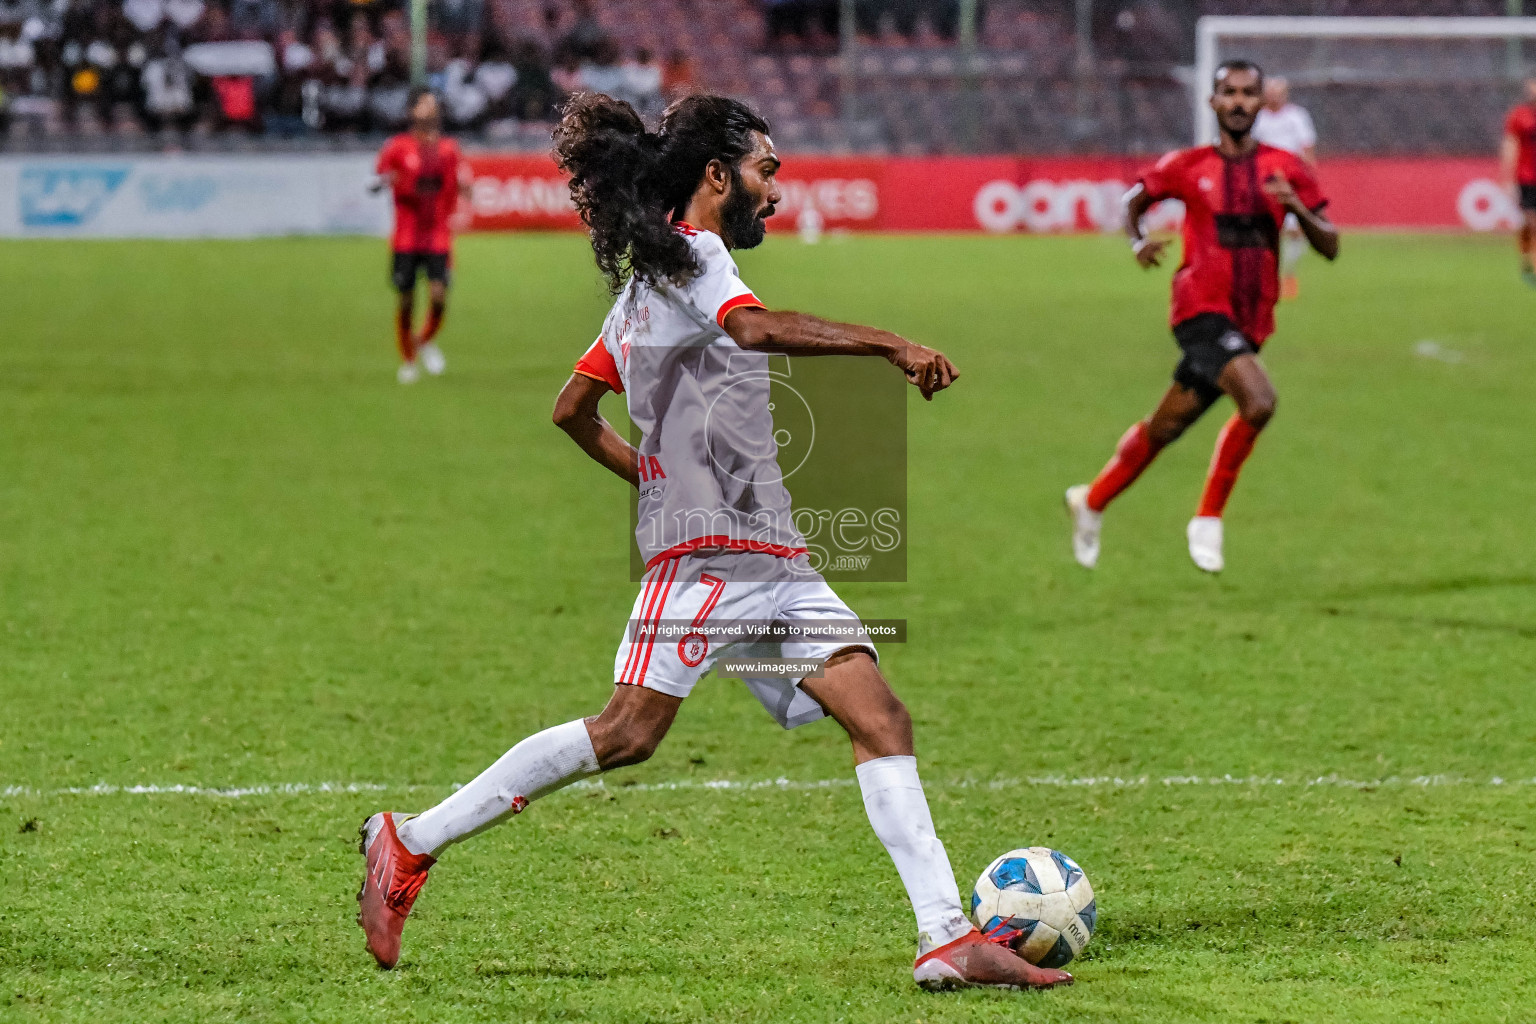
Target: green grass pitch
234, 553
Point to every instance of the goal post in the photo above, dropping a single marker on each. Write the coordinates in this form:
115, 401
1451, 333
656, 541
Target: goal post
1435, 55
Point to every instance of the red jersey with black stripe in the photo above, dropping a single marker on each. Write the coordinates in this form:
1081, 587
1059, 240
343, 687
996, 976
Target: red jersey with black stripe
1231, 231
426, 191
1521, 126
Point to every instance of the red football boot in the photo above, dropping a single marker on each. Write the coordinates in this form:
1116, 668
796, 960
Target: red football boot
395, 875
972, 961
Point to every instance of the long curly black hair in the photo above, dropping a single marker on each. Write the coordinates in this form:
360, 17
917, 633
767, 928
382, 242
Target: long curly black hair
629, 184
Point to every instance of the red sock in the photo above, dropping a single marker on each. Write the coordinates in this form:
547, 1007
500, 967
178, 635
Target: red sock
403, 334
1133, 454
1232, 448
434, 321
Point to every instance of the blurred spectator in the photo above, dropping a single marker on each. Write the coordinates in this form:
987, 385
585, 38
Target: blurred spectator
534, 93
566, 74
295, 67
677, 77
254, 19
291, 89
800, 18
167, 82
904, 16
457, 17
642, 83
184, 13
603, 73
586, 38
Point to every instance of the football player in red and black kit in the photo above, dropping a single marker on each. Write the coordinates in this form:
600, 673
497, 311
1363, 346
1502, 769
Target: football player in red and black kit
428, 176
1236, 195
1517, 166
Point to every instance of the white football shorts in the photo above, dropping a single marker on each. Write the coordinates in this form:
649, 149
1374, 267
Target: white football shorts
697, 608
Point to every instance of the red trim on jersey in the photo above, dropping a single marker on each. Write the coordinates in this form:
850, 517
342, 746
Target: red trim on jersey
727, 543
1521, 125
738, 302
685, 228
598, 364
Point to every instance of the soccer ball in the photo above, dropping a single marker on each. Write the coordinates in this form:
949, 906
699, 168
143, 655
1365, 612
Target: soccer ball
1038, 902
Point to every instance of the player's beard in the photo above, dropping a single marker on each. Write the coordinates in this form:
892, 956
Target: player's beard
744, 229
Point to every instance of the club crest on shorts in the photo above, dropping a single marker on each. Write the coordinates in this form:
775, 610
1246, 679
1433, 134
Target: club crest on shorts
518, 803
692, 648
1233, 342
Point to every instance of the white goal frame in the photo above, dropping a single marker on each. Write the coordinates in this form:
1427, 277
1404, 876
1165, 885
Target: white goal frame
1211, 28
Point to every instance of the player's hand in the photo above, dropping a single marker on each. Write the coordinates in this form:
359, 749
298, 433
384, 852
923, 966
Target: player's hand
1149, 252
927, 369
1279, 189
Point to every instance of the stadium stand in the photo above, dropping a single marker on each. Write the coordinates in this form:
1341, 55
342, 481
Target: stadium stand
324, 74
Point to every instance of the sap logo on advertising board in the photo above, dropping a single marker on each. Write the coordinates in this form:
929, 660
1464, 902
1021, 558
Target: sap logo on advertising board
1043, 205
529, 197
833, 198
168, 193
61, 197
1484, 206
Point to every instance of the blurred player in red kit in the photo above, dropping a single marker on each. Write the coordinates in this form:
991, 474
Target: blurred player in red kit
1236, 195
428, 176
1517, 159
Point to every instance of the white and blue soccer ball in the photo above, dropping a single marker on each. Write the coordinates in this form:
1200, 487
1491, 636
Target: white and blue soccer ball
1038, 902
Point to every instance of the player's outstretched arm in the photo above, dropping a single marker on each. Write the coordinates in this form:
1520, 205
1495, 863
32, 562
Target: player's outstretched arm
800, 334
576, 414
1509, 159
1320, 232
1149, 251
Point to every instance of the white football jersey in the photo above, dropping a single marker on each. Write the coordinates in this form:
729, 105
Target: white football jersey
1289, 128
709, 471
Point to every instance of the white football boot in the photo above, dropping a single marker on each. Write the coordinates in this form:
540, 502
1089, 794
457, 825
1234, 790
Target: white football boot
1085, 527
1205, 542
432, 358
408, 373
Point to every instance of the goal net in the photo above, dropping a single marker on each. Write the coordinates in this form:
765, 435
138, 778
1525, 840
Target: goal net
1380, 85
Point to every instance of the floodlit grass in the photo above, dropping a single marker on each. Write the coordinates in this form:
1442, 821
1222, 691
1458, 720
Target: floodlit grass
234, 553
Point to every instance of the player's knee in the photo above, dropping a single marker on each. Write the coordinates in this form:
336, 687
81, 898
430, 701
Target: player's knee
623, 741
1163, 432
620, 749
1259, 410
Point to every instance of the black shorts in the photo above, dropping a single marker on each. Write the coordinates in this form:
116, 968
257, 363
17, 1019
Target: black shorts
1210, 341
1528, 197
406, 265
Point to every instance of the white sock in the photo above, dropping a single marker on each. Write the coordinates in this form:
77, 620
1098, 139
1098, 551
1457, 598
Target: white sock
540, 764
898, 810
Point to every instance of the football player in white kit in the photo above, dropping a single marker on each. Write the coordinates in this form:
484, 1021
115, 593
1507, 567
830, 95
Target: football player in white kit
1288, 126
687, 344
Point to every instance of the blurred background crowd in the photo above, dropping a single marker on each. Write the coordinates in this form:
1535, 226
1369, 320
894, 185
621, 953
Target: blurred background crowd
902, 76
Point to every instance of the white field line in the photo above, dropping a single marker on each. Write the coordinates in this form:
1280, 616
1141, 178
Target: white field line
735, 785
